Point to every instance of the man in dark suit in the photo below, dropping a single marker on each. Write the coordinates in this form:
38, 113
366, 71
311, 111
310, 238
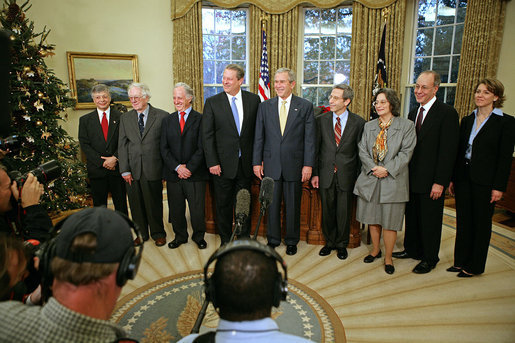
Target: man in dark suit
140, 161
184, 168
228, 125
430, 170
284, 149
336, 168
98, 137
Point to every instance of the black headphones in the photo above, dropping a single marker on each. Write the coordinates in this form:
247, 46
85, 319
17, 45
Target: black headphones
281, 283
127, 269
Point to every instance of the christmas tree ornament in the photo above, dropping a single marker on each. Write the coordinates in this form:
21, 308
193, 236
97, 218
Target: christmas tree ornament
39, 106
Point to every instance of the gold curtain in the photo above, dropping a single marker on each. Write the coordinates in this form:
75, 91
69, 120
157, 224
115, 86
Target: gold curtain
181, 7
367, 26
482, 37
282, 42
188, 63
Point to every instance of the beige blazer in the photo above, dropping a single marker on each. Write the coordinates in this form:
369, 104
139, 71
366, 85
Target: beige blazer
401, 140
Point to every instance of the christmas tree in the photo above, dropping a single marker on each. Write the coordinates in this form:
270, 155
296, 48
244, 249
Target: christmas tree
38, 99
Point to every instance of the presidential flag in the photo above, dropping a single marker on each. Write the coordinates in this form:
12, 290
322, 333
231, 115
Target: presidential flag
380, 80
264, 79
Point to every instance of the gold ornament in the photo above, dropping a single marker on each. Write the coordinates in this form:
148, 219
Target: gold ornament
40, 94
39, 106
26, 69
46, 135
39, 123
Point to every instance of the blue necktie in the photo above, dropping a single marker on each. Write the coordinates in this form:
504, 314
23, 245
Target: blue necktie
234, 109
141, 124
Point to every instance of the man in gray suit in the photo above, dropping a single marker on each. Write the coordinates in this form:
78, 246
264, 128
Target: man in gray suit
336, 168
284, 149
140, 162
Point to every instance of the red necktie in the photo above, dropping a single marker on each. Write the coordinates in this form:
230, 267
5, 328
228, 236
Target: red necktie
418, 124
105, 126
182, 121
337, 135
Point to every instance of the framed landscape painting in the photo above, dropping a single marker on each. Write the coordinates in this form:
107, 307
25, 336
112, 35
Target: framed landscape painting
117, 71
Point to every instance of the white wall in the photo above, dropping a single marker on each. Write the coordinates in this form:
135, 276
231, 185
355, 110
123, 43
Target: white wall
109, 26
506, 69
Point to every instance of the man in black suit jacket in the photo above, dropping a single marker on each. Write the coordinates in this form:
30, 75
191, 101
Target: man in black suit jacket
336, 168
184, 168
228, 125
98, 137
430, 170
284, 149
141, 164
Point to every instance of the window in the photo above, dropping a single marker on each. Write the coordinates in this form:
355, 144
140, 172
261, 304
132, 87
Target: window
437, 44
224, 35
327, 38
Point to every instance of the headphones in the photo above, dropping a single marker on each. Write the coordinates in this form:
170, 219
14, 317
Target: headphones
281, 284
127, 269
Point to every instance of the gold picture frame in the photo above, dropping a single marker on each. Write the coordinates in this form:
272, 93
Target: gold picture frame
87, 69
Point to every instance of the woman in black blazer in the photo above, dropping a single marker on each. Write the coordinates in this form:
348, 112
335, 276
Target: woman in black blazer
480, 176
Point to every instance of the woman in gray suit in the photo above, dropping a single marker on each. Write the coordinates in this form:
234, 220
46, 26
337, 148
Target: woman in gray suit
383, 185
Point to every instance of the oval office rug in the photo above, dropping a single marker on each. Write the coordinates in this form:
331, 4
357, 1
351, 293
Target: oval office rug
166, 310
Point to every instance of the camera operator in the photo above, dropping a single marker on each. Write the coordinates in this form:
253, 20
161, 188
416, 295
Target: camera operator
89, 261
20, 212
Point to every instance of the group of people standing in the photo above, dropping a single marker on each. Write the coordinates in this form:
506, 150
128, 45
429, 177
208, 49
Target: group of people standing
399, 168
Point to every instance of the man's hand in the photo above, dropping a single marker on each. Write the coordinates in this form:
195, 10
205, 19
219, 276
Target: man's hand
306, 173
258, 171
128, 178
109, 162
31, 191
183, 172
314, 181
216, 170
379, 172
451, 188
436, 191
496, 196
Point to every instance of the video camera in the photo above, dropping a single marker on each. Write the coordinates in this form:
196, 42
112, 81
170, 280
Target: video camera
45, 173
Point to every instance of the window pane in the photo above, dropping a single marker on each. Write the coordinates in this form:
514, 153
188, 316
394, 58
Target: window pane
441, 66
209, 71
222, 22
426, 13
323, 94
328, 22
450, 96
454, 69
310, 93
443, 40
420, 65
223, 46
208, 20
462, 7
209, 91
311, 72
344, 20
311, 48
343, 47
238, 48
424, 43
327, 48
342, 72
220, 66
239, 21
446, 12
311, 24
458, 38
209, 47
326, 72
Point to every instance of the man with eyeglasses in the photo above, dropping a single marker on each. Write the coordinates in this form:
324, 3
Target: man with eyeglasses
141, 164
98, 137
336, 168
430, 171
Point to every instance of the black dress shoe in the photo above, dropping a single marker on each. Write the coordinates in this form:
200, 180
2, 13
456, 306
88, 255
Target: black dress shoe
389, 269
325, 251
463, 274
202, 244
423, 268
370, 258
272, 245
291, 249
401, 254
342, 253
175, 244
454, 269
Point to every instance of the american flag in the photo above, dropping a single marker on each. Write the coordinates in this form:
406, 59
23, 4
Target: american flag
264, 79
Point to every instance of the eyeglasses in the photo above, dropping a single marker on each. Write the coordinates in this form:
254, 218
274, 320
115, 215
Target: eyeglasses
334, 97
135, 98
375, 103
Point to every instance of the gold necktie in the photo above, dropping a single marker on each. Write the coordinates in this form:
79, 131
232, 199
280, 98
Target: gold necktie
283, 116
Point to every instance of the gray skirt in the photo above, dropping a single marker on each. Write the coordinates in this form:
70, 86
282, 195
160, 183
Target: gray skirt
389, 215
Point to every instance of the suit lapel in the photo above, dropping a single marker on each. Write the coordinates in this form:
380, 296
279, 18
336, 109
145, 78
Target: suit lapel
113, 125
176, 126
327, 122
429, 120
245, 111
292, 114
150, 121
192, 118
97, 127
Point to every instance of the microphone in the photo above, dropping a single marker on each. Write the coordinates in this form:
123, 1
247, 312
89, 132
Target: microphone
266, 192
241, 211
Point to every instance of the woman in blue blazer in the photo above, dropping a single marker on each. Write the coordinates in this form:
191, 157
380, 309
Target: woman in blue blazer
481, 174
